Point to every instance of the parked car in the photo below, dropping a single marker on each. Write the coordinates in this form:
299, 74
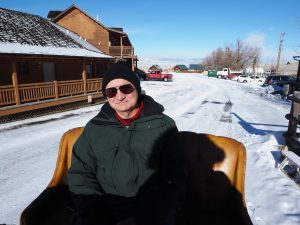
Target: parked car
243, 78
282, 84
278, 80
249, 79
255, 78
158, 75
233, 76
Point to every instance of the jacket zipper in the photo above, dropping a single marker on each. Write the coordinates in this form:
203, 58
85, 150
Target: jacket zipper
135, 168
112, 168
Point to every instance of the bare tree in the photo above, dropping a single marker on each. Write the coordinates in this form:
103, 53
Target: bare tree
236, 57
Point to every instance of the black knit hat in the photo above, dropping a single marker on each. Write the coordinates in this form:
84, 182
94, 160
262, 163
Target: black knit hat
120, 70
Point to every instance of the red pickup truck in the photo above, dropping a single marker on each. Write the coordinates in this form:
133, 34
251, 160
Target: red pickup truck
157, 75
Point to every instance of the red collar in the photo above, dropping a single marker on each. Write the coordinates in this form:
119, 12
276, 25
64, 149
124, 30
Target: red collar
127, 122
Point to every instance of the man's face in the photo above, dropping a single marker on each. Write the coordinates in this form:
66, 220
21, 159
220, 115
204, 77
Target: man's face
123, 104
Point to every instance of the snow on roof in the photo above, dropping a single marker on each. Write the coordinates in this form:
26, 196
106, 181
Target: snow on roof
77, 38
16, 48
23, 33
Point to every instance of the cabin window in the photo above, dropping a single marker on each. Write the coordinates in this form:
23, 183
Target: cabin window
88, 69
23, 68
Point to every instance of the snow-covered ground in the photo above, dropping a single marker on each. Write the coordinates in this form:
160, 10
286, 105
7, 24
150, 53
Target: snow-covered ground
28, 148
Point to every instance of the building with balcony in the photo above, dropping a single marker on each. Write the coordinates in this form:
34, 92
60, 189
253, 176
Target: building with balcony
111, 41
41, 61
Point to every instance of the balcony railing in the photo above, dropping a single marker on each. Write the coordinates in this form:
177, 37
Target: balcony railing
122, 51
47, 90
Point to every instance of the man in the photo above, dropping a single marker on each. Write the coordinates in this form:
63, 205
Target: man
128, 164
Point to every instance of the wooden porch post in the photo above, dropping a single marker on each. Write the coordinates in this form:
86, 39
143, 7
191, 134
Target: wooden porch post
84, 77
15, 83
56, 89
135, 60
132, 60
121, 41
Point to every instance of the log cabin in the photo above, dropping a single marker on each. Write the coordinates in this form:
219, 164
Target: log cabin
44, 64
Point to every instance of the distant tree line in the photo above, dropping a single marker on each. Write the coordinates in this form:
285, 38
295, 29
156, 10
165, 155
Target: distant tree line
237, 56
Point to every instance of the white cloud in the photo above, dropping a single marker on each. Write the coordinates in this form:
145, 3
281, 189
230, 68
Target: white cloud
270, 51
256, 40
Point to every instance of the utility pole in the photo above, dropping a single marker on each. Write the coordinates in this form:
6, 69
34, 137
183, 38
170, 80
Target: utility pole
279, 52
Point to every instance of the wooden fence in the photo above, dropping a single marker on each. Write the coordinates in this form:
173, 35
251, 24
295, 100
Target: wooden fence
9, 95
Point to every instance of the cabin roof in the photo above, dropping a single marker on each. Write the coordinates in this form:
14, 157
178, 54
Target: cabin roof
23, 33
195, 67
156, 66
182, 67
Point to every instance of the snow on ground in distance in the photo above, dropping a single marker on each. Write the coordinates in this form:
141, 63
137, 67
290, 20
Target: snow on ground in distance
197, 103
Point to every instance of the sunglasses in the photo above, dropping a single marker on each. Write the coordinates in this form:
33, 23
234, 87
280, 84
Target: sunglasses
125, 89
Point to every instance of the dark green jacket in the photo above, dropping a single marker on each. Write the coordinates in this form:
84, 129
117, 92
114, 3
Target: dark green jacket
143, 160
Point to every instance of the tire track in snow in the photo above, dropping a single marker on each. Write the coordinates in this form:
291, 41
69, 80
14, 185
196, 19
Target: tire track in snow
195, 103
219, 119
226, 117
192, 96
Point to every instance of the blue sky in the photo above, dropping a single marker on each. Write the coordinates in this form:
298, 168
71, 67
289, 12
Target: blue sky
170, 30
